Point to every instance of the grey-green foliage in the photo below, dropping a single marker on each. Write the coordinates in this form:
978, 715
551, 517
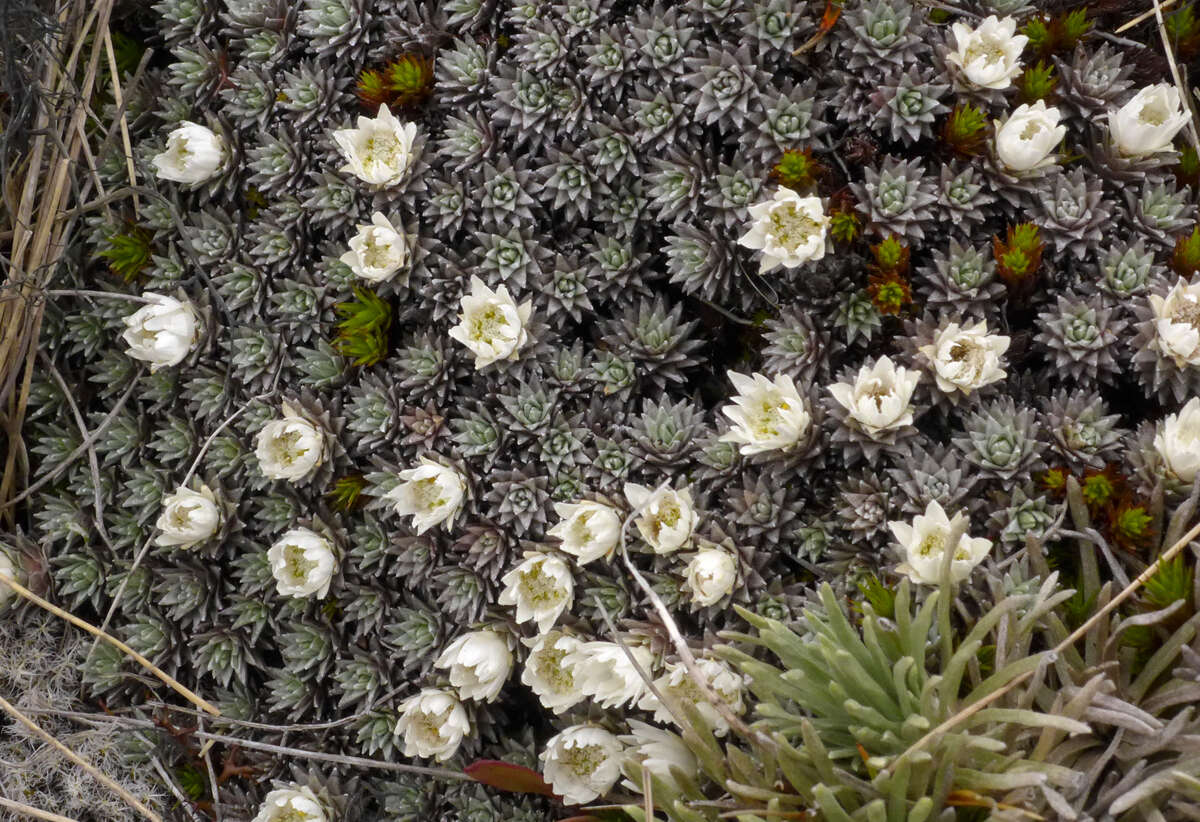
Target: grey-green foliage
850, 717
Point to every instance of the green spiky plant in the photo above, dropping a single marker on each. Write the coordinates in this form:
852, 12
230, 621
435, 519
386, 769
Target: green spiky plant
128, 252
965, 129
363, 331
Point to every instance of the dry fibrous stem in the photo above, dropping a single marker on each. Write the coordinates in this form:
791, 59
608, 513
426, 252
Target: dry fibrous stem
99, 775
174, 684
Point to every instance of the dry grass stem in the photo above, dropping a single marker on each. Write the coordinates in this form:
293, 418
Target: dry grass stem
92, 629
1143, 17
99, 775
32, 812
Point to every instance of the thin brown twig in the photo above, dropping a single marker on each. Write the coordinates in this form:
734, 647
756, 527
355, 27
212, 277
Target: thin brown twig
36, 813
250, 744
166, 678
1146, 15
99, 775
167, 780
118, 99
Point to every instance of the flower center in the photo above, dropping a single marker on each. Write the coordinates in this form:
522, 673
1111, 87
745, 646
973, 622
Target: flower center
427, 494
792, 228
298, 565
540, 588
293, 815
580, 533
181, 514
488, 324
878, 391
582, 760
287, 447
1186, 311
549, 668
382, 150
379, 251
988, 48
1153, 113
932, 544
1032, 128
428, 726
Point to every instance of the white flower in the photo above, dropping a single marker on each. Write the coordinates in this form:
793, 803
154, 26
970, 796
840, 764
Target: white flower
541, 587
491, 324
378, 250
290, 448
676, 684
588, 530
966, 357
989, 55
667, 519
789, 230
161, 332
582, 763
1177, 321
433, 723
547, 673
1027, 139
188, 517
1178, 441
767, 415
380, 150
194, 154
880, 398
605, 674
479, 664
1149, 122
660, 752
8, 568
293, 804
710, 575
302, 562
431, 493
924, 544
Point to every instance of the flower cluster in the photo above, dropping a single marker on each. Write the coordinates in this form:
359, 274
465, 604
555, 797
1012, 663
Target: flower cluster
454, 331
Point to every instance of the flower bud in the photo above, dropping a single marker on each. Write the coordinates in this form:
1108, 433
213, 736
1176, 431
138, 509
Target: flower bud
291, 448
162, 332
431, 494
491, 324
479, 664
582, 763
380, 150
433, 724
1027, 139
194, 154
296, 803
589, 530
303, 563
378, 250
711, 575
1149, 122
188, 518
